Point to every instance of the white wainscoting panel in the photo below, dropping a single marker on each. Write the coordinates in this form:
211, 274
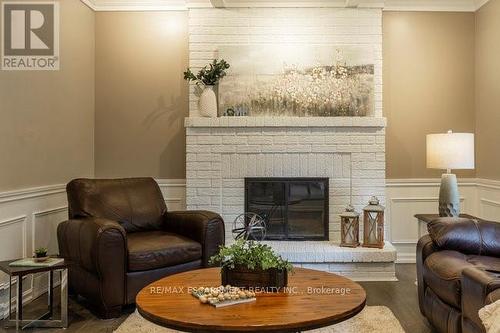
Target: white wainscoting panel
407, 197
28, 217
488, 193
174, 192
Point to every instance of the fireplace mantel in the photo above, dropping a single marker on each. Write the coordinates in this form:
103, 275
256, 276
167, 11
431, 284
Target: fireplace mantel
377, 122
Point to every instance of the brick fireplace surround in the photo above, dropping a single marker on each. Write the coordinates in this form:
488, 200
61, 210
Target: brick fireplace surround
221, 152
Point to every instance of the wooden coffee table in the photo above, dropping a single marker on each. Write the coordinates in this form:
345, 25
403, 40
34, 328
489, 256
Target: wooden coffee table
313, 299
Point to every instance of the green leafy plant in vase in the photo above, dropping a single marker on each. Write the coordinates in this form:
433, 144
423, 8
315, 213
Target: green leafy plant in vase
41, 254
208, 77
251, 264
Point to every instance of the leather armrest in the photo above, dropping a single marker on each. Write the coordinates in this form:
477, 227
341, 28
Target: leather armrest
477, 287
99, 247
425, 247
207, 228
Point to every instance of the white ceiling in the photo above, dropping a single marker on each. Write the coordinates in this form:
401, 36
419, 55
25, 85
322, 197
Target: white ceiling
397, 5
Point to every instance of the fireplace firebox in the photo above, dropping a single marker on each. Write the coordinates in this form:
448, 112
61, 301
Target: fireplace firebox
293, 208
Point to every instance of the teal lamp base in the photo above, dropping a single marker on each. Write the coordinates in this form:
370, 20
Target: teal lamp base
449, 198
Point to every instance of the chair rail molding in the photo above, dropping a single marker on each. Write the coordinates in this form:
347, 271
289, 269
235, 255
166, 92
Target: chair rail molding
32, 192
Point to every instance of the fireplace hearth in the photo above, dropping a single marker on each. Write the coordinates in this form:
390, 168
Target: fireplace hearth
293, 208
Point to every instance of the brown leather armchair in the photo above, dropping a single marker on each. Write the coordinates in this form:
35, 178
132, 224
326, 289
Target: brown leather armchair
120, 237
458, 271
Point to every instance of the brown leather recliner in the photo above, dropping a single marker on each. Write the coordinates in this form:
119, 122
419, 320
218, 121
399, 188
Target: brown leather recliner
458, 271
120, 237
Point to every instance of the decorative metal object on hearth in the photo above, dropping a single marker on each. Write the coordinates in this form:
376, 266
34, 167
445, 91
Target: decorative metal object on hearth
349, 227
249, 226
373, 224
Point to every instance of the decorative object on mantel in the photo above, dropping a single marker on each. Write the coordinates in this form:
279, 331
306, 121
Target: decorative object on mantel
298, 80
373, 224
450, 151
249, 226
235, 112
208, 76
249, 264
349, 227
223, 296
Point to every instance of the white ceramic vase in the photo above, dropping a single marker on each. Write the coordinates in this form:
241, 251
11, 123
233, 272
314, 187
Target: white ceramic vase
207, 104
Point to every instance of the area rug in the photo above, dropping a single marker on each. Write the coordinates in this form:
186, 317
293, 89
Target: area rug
373, 319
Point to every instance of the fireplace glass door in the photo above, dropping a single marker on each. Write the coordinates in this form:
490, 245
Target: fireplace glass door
293, 208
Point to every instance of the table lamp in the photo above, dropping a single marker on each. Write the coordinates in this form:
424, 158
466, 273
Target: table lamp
450, 151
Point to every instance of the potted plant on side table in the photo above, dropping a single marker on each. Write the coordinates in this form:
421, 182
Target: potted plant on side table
208, 77
250, 264
40, 255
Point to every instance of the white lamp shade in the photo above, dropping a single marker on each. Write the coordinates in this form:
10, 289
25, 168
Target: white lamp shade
450, 151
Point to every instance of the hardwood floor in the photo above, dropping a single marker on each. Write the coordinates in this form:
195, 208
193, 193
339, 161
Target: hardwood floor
400, 297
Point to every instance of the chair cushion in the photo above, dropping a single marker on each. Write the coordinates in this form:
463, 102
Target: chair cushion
156, 249
443, 272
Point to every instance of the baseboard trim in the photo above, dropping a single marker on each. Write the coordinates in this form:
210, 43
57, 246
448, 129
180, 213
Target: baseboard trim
407, 258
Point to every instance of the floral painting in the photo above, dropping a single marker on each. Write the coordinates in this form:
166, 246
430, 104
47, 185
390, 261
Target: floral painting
297, 80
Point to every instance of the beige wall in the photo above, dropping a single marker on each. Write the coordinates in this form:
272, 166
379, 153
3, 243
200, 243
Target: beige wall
488, 90
47, 117
428, 84
141, 97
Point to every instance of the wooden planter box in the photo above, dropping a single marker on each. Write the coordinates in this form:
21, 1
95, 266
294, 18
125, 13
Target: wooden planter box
246, 278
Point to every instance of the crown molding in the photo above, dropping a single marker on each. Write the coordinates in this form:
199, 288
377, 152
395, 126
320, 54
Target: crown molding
388, 5
480, 3
285, 3
89, 3
135, 5
431, 5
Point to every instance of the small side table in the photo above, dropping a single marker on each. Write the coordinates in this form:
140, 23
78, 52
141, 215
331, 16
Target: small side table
46, 319
423, 219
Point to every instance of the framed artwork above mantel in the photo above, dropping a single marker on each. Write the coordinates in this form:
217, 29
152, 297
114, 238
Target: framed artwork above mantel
297, 80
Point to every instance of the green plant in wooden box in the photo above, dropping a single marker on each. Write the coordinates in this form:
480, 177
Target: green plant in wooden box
252, 264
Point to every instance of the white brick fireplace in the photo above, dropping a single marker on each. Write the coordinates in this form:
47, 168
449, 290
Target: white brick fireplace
222, 152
